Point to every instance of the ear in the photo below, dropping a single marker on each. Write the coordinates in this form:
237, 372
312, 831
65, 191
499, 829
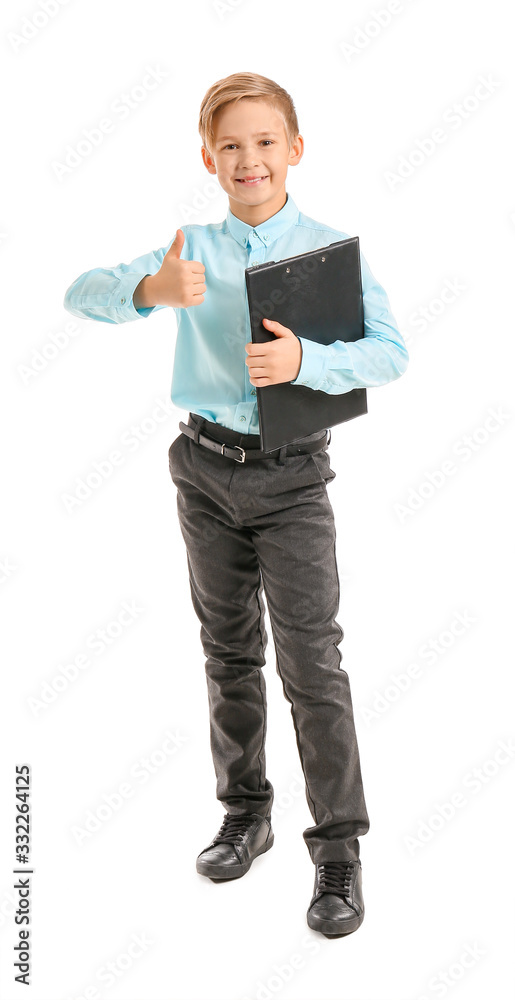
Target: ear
209, 163
296, 151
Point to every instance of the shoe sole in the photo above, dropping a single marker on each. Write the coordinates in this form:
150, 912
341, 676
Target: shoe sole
221, 873
330, 927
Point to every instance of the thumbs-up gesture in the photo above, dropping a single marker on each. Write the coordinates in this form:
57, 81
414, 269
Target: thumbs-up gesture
178, 283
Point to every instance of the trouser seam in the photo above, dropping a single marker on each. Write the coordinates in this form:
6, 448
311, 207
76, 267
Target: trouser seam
337, 641
261, 689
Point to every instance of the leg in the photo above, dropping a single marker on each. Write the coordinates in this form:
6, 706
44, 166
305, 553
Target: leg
226, 589
298, 562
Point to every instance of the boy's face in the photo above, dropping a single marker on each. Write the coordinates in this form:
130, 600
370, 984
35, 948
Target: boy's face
240, 152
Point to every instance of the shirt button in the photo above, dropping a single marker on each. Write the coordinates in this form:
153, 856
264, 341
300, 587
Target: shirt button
243, 418
122, 301
252, 392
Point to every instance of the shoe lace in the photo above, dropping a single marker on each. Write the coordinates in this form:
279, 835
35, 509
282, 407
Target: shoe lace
233, 828
335, 877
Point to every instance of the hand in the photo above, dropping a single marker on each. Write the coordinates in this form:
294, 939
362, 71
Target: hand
276, 361
178, 283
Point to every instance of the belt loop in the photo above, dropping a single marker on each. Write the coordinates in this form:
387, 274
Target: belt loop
198, 429
282, 454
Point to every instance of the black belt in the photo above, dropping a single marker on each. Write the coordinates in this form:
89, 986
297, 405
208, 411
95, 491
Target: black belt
239, 454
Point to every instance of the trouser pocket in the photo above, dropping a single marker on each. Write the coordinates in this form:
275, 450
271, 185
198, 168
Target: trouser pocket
323, 464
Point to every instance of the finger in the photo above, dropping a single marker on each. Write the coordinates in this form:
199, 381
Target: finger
177, 245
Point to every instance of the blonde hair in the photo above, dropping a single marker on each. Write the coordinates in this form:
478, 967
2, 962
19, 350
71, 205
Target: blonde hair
253, 86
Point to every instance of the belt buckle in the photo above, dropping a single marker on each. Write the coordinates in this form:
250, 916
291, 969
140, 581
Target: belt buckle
236, 447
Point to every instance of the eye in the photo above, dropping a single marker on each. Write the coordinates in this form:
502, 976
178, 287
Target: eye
270, 141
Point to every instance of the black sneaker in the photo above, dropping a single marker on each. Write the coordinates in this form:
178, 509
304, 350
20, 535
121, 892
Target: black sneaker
337, 906
239, 840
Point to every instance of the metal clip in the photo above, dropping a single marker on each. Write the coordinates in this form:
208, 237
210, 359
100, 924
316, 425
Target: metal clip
235, 447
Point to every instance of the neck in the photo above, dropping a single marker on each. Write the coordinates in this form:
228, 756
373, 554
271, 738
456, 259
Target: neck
254, 215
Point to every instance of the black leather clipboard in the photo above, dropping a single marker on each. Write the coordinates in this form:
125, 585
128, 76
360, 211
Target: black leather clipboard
319, 296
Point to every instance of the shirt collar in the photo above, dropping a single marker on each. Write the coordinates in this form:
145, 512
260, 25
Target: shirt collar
270, 230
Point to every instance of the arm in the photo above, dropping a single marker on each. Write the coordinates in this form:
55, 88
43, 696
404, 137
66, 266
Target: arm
377, 358
108, 294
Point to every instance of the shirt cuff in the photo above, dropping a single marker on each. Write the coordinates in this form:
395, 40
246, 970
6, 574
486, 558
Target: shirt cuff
313, 364
123, 303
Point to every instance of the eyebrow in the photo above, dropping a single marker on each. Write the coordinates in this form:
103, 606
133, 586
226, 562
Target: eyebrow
223, 138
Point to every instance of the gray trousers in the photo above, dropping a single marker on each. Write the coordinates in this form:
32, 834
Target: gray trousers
269, 523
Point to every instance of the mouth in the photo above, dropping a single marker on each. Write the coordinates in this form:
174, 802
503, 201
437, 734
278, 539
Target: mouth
251, 181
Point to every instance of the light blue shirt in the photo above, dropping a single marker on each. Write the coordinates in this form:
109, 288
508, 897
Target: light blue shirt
210, 376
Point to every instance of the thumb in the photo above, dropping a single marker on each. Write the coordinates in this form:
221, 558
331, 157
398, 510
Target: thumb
277, 328
177, 245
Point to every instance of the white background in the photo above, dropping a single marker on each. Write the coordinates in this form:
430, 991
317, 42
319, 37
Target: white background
439, 914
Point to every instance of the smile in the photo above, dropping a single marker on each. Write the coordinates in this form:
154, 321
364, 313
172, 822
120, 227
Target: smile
255, 180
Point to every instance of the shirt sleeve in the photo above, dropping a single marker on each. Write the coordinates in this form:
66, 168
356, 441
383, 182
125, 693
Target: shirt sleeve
377, 358
106, 293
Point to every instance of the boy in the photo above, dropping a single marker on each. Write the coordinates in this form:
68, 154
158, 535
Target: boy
252, 520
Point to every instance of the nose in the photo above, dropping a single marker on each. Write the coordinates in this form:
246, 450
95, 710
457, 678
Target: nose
248, 162
247, 157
